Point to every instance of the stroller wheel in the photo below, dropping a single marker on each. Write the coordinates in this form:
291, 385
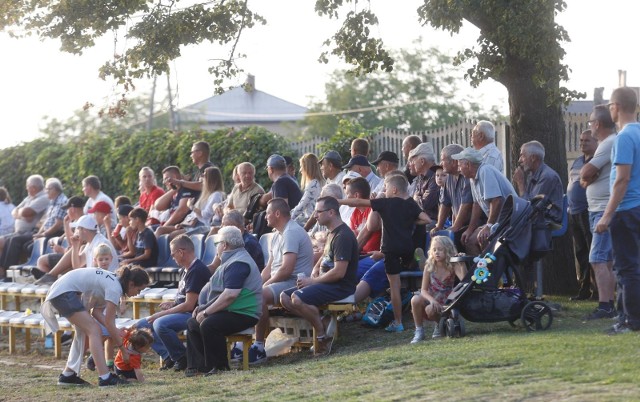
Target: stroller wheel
536, 316
451, 328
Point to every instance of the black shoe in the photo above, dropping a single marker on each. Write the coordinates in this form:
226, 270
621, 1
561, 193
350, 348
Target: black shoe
213, 371
112, 380
180, 364
37, 273
167, 364
192, 372
599, 313
71, 380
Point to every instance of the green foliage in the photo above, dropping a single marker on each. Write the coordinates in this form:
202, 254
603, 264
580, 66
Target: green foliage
346, 132
423, 85
116, 158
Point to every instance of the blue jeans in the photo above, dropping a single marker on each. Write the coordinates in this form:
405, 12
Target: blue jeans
625, 232
165, 334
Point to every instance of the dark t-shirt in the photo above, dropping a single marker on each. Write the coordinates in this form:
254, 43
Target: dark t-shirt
197, 174
193, 280
285, 187
182, 193
342, 246
254, 249
147, 240
235, 275
398, 222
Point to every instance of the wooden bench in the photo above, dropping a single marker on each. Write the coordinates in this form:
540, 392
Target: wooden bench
246, 337
18, 291
346, 305
151, 297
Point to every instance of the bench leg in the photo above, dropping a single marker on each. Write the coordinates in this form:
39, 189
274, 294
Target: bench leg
27, 339
12, 340
57, 344
136, 310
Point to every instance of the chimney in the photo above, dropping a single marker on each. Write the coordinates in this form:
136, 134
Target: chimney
622, 78
250, 83
597, 96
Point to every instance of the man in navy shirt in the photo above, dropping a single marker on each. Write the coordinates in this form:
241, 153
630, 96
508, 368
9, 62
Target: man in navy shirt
284, 186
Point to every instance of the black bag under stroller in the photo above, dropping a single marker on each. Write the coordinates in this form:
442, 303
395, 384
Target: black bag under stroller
491, 290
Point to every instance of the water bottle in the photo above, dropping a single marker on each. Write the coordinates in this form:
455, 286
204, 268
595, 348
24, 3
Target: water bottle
301, 276
48, 342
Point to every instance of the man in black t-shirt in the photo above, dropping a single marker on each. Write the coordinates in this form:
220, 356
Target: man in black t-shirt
284, 186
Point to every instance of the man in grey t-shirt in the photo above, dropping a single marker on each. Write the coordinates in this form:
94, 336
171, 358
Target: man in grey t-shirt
594, 175
291, 253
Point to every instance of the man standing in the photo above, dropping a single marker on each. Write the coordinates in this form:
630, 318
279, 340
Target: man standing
456, 199
622, 213
333, 277
291, 253
483, 137
595, 176
579, 217
331, 167
490, 188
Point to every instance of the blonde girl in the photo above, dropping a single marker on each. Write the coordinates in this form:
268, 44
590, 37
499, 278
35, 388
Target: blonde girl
437, 282
311, 182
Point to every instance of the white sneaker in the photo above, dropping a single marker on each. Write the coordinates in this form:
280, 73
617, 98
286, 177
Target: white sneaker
418, 335
436, 332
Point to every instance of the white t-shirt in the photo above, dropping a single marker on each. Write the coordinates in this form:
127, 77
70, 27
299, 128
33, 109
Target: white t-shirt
598, 191
88, 251
6, 219
102, 197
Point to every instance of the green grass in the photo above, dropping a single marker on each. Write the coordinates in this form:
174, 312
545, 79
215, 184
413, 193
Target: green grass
572, 361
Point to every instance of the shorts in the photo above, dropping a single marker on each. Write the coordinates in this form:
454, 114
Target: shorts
601, 246
53, 259
376, 278
68, 304
320, 293
278, 287
395, 263
130, 374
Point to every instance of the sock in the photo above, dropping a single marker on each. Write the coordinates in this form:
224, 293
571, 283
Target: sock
604, 305
68, 373
419, 328
105, 376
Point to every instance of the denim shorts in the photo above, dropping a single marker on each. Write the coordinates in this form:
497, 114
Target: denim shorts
68, 304
601, 246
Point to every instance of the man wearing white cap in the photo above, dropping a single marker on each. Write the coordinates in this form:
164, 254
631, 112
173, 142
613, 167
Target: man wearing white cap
86, 233
490, 189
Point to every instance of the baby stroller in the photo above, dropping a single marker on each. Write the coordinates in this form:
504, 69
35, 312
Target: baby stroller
491, 290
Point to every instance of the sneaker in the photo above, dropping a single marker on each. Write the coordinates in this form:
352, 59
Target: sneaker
324, 346
418, 335
599, 313
236, 354
45, 280
180, 364
71, 380
436, 332
393, 327
619, 328
66, 339
112, 380
257, 356
167, 364
37, 274
91, 364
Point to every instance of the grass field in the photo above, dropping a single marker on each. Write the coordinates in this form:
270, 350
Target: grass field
573, 361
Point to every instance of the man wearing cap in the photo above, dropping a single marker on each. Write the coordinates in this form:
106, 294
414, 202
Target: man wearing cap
283, 185
91, 187
483, 137
490, 188
387, 161
359, 164
331, 167
19, 241
426, 191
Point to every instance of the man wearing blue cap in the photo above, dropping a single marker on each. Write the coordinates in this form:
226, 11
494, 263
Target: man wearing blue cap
360, 165
284, 186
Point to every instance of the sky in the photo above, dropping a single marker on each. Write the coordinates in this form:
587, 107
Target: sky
39, 80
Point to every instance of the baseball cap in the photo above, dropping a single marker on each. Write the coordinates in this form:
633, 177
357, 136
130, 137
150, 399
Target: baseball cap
469, 154
276, 161
359, 160
100, 206
86, 221
350, 175
74, 201
331, 155
123, 210
386, 156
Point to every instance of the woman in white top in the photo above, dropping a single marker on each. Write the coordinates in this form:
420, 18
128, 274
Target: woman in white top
6, 207
311, 182
94, 290
203, 214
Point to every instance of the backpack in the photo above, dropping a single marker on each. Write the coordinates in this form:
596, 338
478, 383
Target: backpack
379, 312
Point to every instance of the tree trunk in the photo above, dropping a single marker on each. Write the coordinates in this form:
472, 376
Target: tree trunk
530, 120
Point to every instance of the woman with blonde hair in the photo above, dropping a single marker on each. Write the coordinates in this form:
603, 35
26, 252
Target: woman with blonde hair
311, 183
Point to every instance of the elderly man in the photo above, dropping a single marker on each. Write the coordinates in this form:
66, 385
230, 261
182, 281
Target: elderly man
456, 198
483, 137
534, 177
83, 242
26, 215
235, 218
333, 277
331, 167
408, 144
283, 185
360, 165
622, 213
242, 192
490, 188
426, 191
173, 315
91, 187
232, 304
595, 176
290, 254
387, 162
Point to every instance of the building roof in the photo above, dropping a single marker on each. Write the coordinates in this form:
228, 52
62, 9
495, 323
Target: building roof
242, 106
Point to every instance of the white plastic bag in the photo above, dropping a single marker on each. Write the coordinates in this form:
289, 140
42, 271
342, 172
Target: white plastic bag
278, 343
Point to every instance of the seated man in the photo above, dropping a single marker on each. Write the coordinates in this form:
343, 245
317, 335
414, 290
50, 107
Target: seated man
333, 277
91, 187
242, 192
27, 215
291, 253
173, 316
173, 204
490, 188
